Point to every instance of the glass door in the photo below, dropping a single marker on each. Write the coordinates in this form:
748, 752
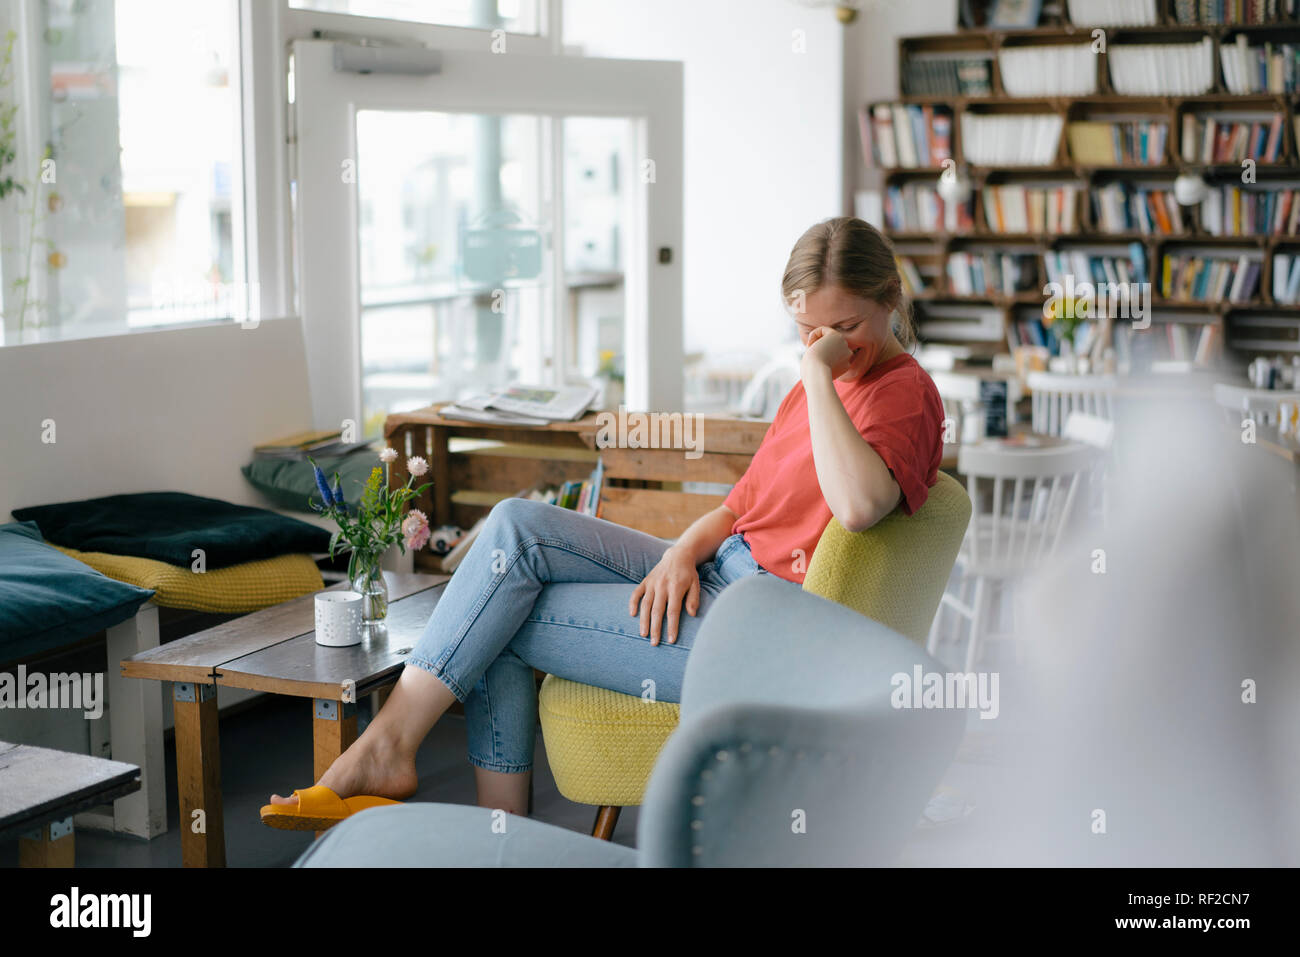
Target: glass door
454, 239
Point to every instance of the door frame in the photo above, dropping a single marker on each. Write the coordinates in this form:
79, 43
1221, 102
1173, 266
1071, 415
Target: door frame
323, 125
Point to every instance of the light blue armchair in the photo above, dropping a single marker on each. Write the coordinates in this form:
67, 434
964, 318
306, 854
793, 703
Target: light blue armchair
789, 753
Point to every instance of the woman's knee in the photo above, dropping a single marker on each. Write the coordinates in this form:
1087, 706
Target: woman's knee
515, 511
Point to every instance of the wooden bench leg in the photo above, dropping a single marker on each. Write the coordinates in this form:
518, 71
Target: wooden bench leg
51, 846
135, 727
333, 729
606, 820
198, 775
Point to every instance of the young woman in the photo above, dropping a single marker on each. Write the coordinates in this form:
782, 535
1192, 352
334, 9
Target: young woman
579, 597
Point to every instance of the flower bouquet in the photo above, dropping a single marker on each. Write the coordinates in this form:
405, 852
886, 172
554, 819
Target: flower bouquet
373, 525
1063, 317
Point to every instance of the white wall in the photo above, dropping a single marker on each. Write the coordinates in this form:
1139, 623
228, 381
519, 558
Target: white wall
763, 144
174, 410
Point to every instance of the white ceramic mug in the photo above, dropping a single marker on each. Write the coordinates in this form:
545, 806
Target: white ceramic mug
338, 618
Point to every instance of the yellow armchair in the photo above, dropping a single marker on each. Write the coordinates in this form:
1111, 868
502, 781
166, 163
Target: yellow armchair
601, 745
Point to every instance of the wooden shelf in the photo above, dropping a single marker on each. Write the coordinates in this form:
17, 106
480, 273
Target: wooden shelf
931, 248
1090, 236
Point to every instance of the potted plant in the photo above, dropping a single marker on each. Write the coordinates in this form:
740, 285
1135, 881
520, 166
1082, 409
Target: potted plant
376, 523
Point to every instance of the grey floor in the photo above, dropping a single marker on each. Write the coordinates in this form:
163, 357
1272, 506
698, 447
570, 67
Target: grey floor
266, 748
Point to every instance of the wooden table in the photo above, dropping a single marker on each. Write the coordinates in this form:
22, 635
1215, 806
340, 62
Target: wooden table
1019, 435
40, 791
274, 650
642, 487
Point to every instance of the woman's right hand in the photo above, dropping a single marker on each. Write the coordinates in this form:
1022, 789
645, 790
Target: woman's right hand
671, 584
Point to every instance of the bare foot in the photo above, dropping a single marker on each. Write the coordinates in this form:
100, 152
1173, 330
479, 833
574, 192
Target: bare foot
373, 765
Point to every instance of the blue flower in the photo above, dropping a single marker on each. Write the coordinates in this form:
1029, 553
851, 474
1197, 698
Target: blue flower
322, 486
338, 492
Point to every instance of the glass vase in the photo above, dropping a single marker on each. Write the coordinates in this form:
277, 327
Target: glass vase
368, 582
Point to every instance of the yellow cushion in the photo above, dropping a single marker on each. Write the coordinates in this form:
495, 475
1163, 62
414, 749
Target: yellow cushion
233, 590
601, 744
895, 571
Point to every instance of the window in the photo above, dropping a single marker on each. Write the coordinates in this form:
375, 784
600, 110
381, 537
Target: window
513, 16
127, 210
430, 324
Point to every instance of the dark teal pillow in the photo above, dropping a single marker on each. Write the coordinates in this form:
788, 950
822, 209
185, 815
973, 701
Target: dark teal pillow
169, 526
48, 600
290, 485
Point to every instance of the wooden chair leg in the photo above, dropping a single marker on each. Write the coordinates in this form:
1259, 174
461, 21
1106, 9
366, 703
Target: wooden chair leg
606, 820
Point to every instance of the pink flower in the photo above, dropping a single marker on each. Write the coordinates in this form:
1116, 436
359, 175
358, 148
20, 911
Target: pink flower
415, 529
388, 455
417, 466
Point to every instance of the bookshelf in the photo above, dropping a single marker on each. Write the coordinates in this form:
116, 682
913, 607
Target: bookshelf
1107, 202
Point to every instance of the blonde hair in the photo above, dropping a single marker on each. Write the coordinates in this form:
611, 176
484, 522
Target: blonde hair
854, 255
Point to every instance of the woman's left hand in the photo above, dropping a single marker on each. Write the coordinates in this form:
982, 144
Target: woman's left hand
828, 350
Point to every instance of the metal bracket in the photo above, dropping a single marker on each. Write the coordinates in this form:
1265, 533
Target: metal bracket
58, 829
328, 709
192, 692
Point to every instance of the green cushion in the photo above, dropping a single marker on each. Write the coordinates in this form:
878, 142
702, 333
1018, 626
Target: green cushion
169, 526
291, 484
48, 599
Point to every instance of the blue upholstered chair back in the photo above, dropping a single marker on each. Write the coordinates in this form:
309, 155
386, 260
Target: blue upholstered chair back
789, 751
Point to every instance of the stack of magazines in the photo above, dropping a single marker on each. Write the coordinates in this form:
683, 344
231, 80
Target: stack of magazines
524, 405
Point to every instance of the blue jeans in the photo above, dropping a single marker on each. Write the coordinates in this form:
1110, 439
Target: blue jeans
545, 587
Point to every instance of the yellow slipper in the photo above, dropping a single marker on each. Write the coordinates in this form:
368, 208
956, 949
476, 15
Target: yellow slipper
318, 808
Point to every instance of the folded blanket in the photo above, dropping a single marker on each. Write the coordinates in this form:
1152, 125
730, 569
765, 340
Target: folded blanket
169, 526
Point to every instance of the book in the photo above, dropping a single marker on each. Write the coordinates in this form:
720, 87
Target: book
883, 127
1057, 70
301, 441
1162, 69
302, 445
1010, 139
907, 155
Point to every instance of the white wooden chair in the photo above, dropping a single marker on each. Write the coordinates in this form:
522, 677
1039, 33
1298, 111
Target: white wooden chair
763, 393
1033, 495
1261, 406
1100, 434
1056, 395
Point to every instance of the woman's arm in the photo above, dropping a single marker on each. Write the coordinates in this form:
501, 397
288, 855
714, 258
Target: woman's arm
706, 533
854, 479
675, 581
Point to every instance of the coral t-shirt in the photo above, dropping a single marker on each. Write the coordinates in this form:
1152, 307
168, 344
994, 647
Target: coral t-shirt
778, 501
